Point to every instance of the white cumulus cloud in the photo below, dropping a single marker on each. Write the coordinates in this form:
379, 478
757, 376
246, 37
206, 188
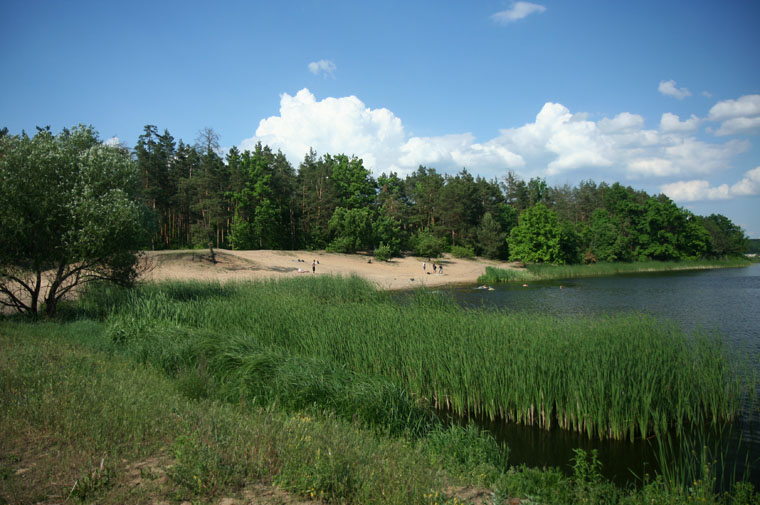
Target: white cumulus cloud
670, 122
324, 67
518, 10
559, 141
333, 125
737, 116
701, 190
669, 88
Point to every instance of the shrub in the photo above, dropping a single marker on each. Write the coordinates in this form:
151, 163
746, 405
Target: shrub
462, 252
426, 244
383, 252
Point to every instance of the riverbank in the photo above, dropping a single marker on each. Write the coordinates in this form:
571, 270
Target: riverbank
396, 274
542, 272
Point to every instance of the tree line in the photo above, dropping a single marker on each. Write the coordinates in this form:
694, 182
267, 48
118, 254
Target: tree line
258, 200
74, 209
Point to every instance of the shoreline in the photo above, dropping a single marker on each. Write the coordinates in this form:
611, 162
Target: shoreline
567, 272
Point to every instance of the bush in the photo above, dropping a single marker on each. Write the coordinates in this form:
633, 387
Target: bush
425, 244
462, 252
383, 252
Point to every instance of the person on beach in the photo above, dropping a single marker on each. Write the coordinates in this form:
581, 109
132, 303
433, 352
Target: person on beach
424, 266
435, 267
314, 266
440, 269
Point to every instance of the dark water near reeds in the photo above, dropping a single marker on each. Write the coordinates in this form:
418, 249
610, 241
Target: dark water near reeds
726, 301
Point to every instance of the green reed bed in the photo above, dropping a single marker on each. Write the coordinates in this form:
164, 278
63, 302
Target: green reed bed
618, 377
542, 272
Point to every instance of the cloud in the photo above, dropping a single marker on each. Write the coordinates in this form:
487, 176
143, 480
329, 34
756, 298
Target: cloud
669, 88
113, 142
519, 10
737, 116
557, 142
333, 125
458, 150
700, 190
672, 123
325, 67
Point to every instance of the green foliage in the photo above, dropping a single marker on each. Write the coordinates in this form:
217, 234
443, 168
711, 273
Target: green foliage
351, 229
256, 223
358, 354
541, 238
588, 483
388, 231
491, 237
383, 252
427, 245
726, 238
606, 241
459, 251
354, 185
69, 205
468, 450
93, 483
753, 246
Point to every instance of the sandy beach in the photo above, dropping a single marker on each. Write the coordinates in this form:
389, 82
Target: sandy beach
399, 273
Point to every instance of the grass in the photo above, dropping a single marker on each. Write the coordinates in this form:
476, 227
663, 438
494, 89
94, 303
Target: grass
82, 425
343, 345
78, 425
324, 389
542, 272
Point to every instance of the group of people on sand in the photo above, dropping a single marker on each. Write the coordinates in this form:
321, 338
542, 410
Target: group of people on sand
436, 268
314, 264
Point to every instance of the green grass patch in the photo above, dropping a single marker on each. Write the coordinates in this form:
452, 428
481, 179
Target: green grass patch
543, 272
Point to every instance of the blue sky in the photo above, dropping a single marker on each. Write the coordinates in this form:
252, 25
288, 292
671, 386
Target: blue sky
662, 96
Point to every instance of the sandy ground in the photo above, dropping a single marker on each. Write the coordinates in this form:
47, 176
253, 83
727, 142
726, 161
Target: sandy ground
399, 273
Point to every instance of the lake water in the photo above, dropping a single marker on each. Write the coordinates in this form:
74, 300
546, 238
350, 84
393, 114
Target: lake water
723, 300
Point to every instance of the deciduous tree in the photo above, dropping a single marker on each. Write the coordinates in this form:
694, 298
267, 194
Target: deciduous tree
69, 214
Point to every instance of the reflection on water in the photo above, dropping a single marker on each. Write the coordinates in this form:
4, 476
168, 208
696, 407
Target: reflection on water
726, 301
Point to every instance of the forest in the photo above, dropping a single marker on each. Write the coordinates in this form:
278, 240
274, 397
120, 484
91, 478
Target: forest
258, 200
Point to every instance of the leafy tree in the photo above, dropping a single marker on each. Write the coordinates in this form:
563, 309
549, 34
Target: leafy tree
354, 185
69, 214
541, 238
351, 229
726, 238
666, 232
388, 231
256, 221
427, 245
606, 243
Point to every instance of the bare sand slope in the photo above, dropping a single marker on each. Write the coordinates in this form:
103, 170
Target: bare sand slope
399, 273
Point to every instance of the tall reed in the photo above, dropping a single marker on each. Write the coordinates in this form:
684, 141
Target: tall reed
616, 377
